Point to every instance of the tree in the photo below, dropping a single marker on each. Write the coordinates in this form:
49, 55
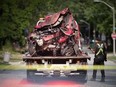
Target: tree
18, 15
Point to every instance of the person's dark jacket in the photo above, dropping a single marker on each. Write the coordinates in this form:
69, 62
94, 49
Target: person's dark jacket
103, 54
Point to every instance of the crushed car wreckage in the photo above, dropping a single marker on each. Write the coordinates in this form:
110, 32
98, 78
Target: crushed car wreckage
55, 35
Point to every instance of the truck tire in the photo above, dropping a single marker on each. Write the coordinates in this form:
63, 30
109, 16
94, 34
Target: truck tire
82, 77
31, 75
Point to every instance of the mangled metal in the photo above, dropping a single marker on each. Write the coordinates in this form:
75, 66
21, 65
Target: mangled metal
55, 35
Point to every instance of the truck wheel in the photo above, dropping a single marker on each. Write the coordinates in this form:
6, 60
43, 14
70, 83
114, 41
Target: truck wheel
81, 77
31, 75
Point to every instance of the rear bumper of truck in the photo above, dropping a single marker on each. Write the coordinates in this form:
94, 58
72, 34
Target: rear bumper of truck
57, 69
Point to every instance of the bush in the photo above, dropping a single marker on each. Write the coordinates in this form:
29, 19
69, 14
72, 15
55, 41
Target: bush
7, 47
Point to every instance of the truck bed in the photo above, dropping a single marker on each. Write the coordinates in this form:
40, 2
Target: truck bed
57, 57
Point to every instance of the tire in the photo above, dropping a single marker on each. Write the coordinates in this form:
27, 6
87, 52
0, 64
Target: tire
82, 77
31, 75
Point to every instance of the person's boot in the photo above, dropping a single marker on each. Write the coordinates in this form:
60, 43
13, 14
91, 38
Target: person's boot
102, 80
93, 79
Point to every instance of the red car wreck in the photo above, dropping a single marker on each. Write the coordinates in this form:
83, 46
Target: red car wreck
55, 42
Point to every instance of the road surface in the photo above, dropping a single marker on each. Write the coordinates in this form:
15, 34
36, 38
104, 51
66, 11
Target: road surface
17, 78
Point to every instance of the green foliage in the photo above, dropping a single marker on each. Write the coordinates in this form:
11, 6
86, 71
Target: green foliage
100, 15
7, 47
16, 15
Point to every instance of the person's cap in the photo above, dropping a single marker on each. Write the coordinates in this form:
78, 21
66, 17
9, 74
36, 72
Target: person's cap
98, 39
41, 18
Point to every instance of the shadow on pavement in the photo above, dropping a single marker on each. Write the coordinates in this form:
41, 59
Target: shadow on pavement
56, 80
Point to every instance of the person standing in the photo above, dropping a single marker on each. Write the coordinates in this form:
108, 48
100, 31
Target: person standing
100, 57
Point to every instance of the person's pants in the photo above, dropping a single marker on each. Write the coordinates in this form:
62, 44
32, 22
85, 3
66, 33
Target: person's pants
102, 70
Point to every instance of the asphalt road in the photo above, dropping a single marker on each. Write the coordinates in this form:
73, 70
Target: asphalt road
17, 78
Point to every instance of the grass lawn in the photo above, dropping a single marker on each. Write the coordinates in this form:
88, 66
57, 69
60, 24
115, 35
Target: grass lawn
14, 57
112, 58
